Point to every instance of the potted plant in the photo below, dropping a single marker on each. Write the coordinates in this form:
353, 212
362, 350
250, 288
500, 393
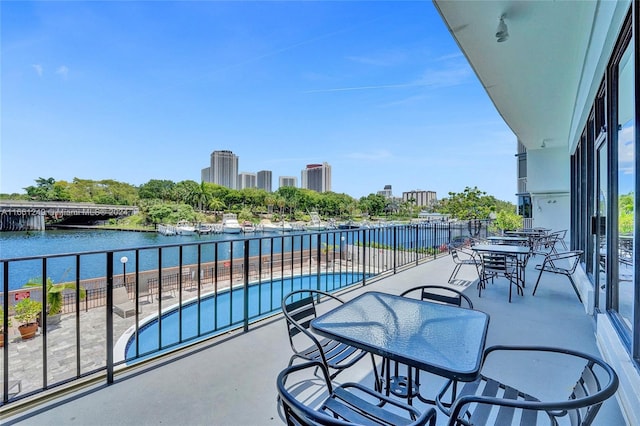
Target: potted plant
27, 310
2, 326
54, 297
327, 251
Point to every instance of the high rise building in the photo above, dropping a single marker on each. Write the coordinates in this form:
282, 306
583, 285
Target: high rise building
386, 192
287, 181
205, 174
421, 198
317, 177
223, 169
264, 180
246, 180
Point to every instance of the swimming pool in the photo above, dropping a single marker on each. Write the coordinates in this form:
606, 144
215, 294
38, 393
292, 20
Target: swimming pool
217, 313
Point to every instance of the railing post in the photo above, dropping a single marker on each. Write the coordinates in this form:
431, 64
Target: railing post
5, 332
417, 236
435, 240
109, 317
318, 257
364, 257
395, 249
246, 285
43, 322
77, 315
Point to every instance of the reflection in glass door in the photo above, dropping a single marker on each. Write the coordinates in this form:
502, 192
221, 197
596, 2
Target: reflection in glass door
599, 226
623, 293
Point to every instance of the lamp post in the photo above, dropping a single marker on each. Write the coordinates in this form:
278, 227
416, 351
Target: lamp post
124, 261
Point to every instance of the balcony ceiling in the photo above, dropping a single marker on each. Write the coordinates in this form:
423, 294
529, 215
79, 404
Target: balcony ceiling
533, 77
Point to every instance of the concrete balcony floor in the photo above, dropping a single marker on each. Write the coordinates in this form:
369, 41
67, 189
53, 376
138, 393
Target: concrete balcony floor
231, 380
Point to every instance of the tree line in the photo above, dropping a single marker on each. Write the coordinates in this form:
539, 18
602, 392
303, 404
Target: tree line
165, 201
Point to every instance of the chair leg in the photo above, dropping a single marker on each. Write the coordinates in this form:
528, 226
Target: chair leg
481, 282
455, 272
573, 284
538, 280
376, 377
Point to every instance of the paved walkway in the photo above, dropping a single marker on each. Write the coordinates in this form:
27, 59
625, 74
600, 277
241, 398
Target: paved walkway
26, 356
230, 380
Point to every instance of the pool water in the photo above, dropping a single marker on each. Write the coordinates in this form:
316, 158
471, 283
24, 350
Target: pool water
215, 314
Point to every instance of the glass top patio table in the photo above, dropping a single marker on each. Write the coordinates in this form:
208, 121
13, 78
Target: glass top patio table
442, 339
520, 253
502, 249
509, 238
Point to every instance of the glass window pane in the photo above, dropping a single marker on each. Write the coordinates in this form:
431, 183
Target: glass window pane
626, 186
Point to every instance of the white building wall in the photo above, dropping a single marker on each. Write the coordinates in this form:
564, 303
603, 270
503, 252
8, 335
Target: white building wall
549, 182
548, 170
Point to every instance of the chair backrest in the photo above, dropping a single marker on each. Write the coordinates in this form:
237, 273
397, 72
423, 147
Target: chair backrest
295, 411
587, 385
120, 295
597, 383
440, 294
316, 402
299, 308
460, 241
573, 257
560, 234
454, 253
493, 262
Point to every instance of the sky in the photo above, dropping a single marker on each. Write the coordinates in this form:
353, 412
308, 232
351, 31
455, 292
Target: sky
134, 91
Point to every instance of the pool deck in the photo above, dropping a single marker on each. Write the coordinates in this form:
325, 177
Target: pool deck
230, 380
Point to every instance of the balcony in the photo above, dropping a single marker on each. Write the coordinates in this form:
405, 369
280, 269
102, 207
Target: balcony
230, 379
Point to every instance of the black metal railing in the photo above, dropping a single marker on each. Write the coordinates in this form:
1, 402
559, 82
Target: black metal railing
182, 293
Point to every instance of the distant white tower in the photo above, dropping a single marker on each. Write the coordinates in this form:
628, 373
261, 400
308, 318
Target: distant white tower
287, 181
246, 180
264, 180
317, 177
224, 169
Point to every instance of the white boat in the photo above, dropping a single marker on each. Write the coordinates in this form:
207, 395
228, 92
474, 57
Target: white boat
315, 224
285, 226
183, 227
204, 228
248, 227
166, 229
267, 226
230, 224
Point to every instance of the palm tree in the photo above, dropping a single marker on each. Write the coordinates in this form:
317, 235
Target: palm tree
54, 292
216, 204
270, 201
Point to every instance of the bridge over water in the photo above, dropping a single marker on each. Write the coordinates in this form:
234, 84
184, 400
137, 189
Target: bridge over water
34, 215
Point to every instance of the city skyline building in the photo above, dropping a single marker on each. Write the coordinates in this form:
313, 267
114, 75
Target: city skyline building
205, 174
265, 180
317, 177
284, 181
386, 192
224, 169
247, 180
421, 198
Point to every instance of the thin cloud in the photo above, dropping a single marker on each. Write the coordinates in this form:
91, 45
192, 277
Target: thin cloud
38, 68
456, 55
446, 77
383, 59
62, 71
354, 88
376, 155
405, 101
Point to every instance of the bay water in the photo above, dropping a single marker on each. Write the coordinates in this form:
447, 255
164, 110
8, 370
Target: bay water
57, 242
